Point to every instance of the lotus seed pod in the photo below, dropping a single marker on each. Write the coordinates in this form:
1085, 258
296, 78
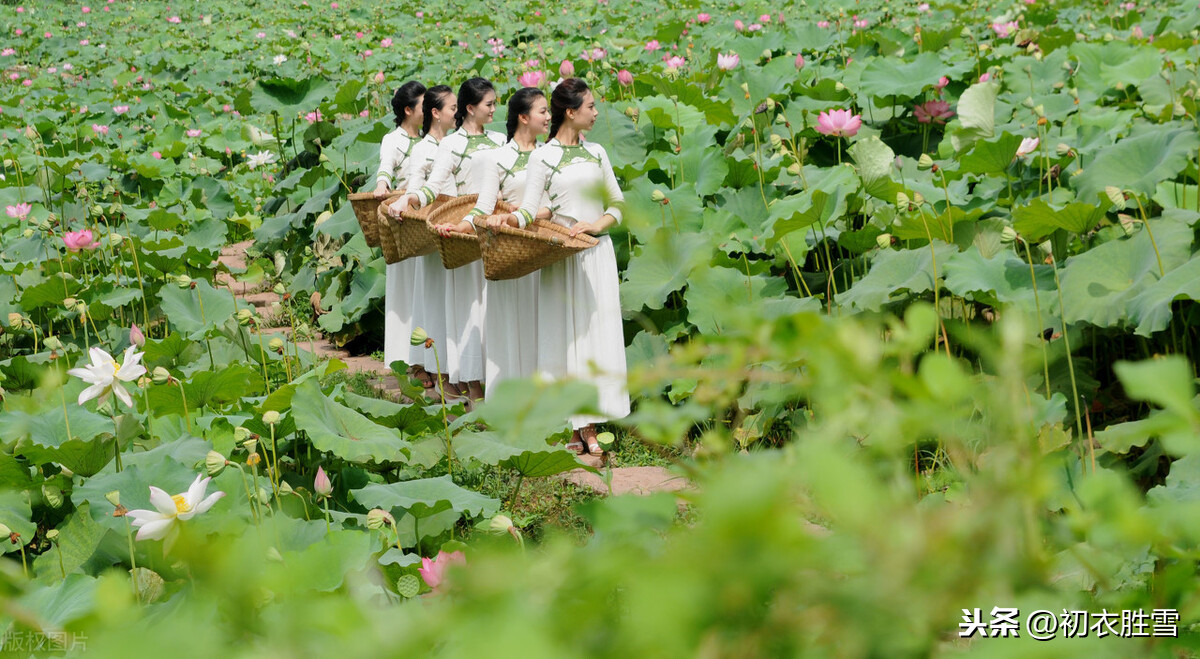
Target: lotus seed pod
839, 86
97, 209
161, 375
52, 535
275, 344
408, 586
794, 169
1116, 196
5, 531
776, 141
280, 263
925, 162
264, 496
901, 199
53, 495
53, 343
322, 218
883, 240
214, 463
115, 239
272, 553
378, 517
1062, 149
1046, 248
251, 445
270, 417
184, 281
606, 440
27, 233
245, 316
1040, 111
657, 196
918, 198
418, 336
114, 497
280, 289
1008, 234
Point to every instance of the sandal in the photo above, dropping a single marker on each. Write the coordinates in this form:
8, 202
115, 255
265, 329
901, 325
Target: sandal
588, 435
575, 445
423, 376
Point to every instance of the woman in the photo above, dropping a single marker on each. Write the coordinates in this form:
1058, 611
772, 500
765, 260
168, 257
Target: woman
456, 172
510, 325
429, 281
394, 152
579, 306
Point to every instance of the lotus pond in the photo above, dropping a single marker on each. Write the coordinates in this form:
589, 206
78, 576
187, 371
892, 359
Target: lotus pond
909, 293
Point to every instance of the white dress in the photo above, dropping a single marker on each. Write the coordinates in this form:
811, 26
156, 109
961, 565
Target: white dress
455, 173
394, 152
429, 277
580, 333
510, 325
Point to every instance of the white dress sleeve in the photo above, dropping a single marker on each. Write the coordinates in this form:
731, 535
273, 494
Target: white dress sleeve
614, 198
535, 185
387, 159
441, 176
490, 183
414, 173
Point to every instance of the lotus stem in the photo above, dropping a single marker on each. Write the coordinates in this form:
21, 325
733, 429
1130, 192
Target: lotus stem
1062, 311
445, 420
137, 592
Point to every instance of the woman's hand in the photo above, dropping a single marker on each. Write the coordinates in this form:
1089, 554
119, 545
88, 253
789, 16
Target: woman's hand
543, 214
464, 227
583, 227
381, 190
399, 206
497, 221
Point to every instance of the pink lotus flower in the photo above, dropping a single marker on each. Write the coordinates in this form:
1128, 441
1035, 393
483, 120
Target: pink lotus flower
625, 77
1003, 30
532, 63
386, 43
77, 240
532, 79
173, 19
100, 129
727, 62
14, 76
739, 25
653, 45
799, 61
193, 132
136, 337
754, 27
923, 8
358, 35
27, 83
120, 109
675, 62
420, 14
433, 570
333, 5
566, 69
933, 111
86, 10
47, 35
18, 32
765, 18
364, 114
1136, 32
157, 155
941, 83
985, 77
20, 211
260, 35
1028, 146
321, 485
8, 51
226, 108
703, 18
838, 123
379, 78
20, 10
861, 23
822, 24
598, 54
314, 117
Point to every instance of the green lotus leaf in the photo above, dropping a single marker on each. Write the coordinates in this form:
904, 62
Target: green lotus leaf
79, 539
892, 76
15, 514
661, 267
194, 312
424, 497
1138, 163
895, 275
340, 430
1040, 219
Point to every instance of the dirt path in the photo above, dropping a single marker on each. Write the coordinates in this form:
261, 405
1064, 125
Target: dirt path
625, 480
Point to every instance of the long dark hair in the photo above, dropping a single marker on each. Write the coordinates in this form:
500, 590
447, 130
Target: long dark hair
521, 103
435, 99
568, 95
471, 92
406, 97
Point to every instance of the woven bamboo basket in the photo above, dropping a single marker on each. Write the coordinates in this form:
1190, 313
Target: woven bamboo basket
458, 249
365, 204
410, 236
509, 253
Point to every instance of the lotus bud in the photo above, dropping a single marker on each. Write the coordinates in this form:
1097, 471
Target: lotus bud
53, 343
925, 162
321, 484
766, 54
30, 132
264, 496
966, 33
184, 281
1116, 196
632, 112
883, 240
280, 290
275, 344
136, 337
161, 375
270, 417
657, 196
418, 336
27, 233
214, 463
253, 459
377, 517
5, 532
902, 199
114, 497
1008, 235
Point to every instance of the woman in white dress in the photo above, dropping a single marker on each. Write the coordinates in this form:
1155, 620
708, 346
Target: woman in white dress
429, 280
510, 325
394, 152
456, 172
580, 333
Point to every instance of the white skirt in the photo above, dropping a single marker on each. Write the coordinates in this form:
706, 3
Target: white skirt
464, 304
398, 312
580, 333
429, 309
511, 329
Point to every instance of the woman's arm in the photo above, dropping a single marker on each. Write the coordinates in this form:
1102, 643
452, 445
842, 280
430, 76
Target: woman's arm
535, 186
440, 179
490, 187
387, 164
614, 199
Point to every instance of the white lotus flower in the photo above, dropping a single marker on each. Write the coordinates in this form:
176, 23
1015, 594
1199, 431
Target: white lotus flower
260, 158
1028, 146
159, 524
104, 373
280, 59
